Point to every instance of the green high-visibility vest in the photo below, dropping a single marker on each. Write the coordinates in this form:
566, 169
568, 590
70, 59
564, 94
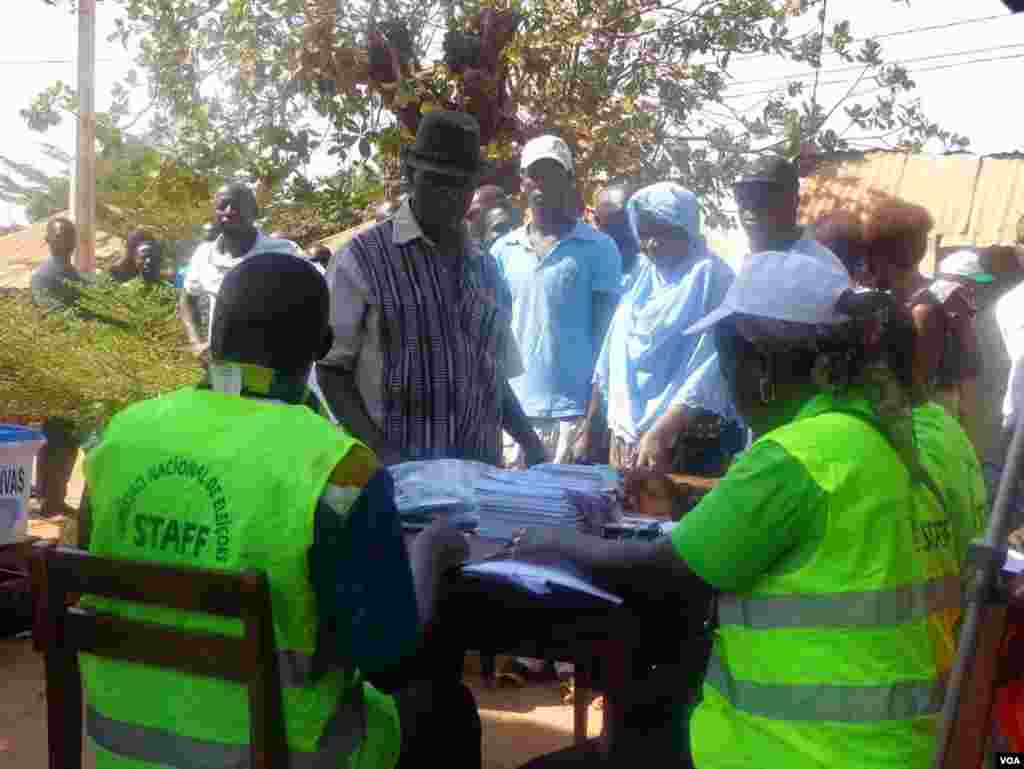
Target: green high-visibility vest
843, 661
204, 479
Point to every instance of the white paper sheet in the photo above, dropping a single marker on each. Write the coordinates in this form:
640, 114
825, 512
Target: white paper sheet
537, 579
1014, 562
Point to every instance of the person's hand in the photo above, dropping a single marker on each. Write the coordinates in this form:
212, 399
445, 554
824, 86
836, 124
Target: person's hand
650, 493
534, 452
543, 543
1016, 590
596, 509
656, 451
202, 351
583, 445
1017, 539
444, 545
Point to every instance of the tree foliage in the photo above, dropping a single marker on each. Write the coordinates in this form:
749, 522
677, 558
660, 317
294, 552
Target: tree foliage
87, 370
137, 186
41, 194
308, 211
642, 89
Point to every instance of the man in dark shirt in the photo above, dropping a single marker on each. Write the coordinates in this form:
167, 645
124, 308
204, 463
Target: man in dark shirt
610, 218
54, 289
376, 599
52, 282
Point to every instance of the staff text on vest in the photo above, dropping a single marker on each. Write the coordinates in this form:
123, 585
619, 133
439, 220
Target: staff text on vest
158, 533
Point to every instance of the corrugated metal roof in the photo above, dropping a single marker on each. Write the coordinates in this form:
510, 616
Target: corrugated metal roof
855, 186
944, 186
998, 203
975, 201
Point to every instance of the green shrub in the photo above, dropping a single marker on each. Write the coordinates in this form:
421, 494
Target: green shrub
125, 344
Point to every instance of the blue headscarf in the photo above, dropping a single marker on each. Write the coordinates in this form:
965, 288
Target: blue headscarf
647, 364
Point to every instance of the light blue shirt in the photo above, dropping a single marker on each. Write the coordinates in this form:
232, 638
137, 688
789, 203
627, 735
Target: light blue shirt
553, 315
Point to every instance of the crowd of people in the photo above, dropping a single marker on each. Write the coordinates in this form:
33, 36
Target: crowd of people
824, 388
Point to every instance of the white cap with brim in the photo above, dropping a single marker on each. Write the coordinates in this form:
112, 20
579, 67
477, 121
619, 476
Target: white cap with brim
965, 265
547, 148
784, 285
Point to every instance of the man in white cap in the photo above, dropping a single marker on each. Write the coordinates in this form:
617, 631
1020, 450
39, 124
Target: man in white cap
565, 278
957, 279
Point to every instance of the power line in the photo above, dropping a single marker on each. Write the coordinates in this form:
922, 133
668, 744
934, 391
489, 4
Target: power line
897, 33
800, 77
910, 72
32, 62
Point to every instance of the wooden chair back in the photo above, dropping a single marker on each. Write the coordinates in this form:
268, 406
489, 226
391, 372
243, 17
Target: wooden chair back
62, 630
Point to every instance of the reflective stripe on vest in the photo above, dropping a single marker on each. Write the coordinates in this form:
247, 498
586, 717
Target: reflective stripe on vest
164, 748
894, 606
823, 702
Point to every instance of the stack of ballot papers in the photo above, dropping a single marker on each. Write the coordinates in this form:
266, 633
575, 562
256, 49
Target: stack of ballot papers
498, 503
426, 489
511, 500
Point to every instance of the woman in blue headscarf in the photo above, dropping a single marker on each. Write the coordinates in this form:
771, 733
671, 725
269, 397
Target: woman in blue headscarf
661, 392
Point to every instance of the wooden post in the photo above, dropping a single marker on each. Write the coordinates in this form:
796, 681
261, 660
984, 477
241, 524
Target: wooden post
83, 184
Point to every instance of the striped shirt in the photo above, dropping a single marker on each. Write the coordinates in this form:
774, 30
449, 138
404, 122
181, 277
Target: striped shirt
428, 338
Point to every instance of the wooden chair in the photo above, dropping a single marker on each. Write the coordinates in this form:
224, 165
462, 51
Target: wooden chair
62, 631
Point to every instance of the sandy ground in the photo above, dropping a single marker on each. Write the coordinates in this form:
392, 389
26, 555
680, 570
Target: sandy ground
518, 724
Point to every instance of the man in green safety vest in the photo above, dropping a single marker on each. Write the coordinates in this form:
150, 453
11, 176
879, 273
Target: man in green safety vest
243, 473
835, 542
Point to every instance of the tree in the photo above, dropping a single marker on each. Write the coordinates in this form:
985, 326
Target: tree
41, 194
137, 187
310, 210
640, 88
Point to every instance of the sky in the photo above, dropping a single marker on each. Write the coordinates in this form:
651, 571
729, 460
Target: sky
978, 100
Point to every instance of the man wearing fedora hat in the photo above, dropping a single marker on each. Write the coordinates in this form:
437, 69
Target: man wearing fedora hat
422, 348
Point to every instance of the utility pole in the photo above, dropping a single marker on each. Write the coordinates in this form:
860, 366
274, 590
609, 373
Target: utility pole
83, 180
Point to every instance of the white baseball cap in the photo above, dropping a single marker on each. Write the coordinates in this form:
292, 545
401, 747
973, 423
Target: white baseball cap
784, 285
550, 147
965, 264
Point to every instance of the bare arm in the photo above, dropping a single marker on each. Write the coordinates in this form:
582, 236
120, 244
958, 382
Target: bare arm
930, 325
627, 566
342, 394
435, 550
594, 424
188, 311
517, 424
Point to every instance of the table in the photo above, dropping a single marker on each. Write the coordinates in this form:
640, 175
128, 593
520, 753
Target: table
609, 646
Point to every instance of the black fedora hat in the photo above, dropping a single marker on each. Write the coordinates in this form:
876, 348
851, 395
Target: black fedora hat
447, 143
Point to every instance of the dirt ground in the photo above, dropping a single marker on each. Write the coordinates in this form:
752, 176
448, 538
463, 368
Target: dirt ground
518, 724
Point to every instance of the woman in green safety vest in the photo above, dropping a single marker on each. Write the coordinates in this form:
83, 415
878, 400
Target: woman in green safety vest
834, 543
242, 473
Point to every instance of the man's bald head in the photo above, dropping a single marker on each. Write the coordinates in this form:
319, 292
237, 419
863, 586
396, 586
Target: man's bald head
385, 210
612, 200
62, 238
486, 198
235, 208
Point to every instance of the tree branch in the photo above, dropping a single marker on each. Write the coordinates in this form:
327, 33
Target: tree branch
817, 67
848, 94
